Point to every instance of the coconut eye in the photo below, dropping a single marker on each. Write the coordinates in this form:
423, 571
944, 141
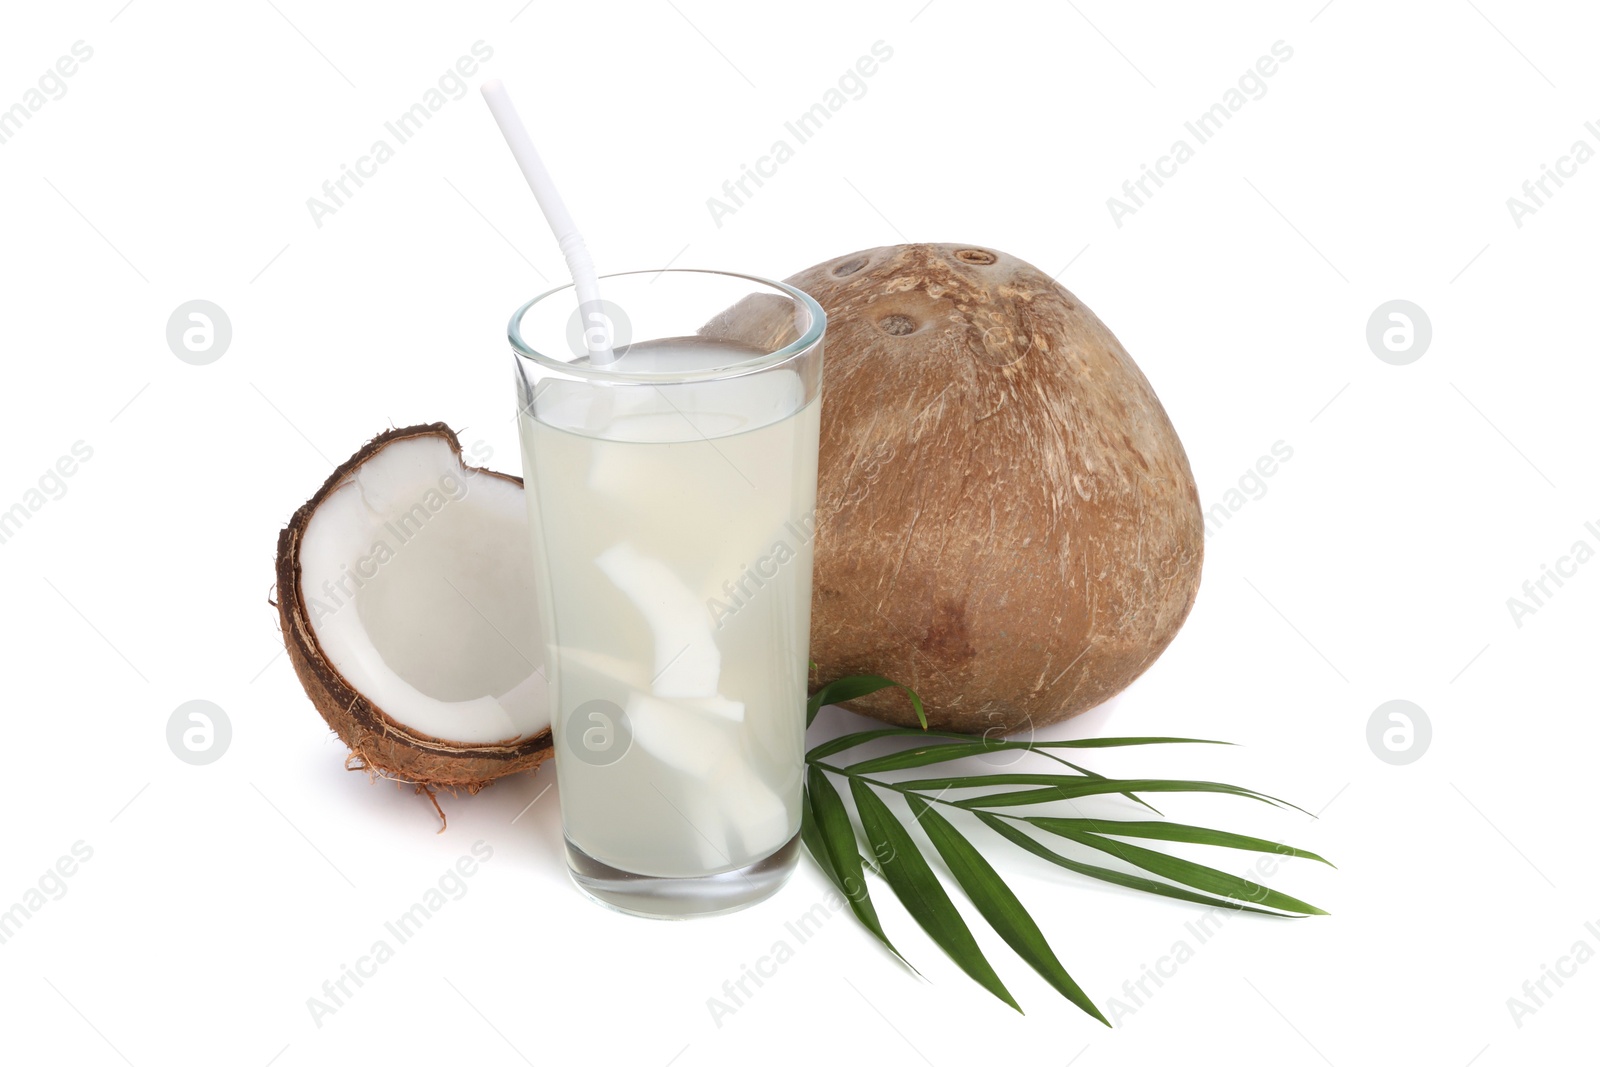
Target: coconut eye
976, 256
849, 266
896, 325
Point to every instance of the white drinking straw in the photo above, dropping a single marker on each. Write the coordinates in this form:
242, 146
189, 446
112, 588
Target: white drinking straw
584, 278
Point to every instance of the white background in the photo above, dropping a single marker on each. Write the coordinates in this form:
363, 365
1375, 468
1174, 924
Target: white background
1376, 566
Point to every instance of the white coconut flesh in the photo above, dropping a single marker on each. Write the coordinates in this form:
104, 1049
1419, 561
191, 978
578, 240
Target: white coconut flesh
417, 574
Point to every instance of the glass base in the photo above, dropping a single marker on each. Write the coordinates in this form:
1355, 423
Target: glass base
654, 897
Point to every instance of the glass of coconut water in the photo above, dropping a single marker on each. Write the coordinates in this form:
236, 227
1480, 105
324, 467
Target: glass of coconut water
671, 492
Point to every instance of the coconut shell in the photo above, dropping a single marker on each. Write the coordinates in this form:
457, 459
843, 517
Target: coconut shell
1006, 518
377, 741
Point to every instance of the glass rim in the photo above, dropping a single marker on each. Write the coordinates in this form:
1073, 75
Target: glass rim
807, 340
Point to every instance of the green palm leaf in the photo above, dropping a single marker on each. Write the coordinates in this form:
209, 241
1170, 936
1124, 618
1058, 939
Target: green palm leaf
858, 685
1071, 787
1087, 772
998, 904
961, 746
839, 744
1195, 875
1122, 742
1105, 874
830, 838
914, 882
837, 841
1174, 831
922, 755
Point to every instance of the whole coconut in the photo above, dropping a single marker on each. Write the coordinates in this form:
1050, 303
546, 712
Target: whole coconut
1006, 520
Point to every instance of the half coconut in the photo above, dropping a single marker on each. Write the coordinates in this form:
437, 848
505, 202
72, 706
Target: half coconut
404, 599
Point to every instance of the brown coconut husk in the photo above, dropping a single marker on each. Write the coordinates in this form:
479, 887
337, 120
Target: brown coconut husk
1006, 519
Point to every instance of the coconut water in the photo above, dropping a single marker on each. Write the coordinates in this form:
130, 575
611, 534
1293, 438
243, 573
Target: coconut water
673, 538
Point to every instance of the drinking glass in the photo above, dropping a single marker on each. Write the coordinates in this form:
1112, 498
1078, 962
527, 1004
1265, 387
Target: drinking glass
671, 496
